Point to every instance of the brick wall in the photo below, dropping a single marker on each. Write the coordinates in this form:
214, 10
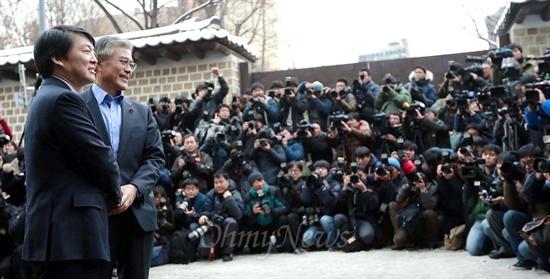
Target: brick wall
533, 35
165, 78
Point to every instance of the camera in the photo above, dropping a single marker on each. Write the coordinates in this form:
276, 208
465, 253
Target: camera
389, 81
513, 171
381, 122
217, 220
183, 205
264, 203
532, 96
311, 217
354, 178
264, 142
353, 167
303, 126
411, 110
285, 180
469, 167
289, 90
271, 93
165, 135
337, 117
189, 161
541, 165
381, 171
461, 98
151, 104
488, 192
314, 180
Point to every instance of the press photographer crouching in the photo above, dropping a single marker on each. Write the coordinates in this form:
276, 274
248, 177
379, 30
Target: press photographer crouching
417, 220
221, 213
319, 198
265, 213
239, 168
192, 162
536, 194
291, 184
189, 202
359, 224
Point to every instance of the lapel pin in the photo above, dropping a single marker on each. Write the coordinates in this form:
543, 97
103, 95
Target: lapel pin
131, 109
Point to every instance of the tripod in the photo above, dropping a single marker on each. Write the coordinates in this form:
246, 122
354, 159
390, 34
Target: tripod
418, 137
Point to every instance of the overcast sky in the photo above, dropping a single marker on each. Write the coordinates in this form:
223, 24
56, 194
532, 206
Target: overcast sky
330, 32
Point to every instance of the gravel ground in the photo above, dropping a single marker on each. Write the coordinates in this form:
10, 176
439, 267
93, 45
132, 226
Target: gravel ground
383, 263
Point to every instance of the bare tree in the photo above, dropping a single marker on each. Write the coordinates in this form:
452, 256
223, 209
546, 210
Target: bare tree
490, 23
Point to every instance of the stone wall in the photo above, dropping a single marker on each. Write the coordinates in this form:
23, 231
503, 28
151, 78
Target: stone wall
165, 78
533, 34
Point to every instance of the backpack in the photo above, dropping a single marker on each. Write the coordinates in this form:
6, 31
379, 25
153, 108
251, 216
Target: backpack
411, 219
181, 250
537, 236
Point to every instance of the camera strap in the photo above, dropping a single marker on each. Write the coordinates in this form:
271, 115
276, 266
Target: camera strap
352, 219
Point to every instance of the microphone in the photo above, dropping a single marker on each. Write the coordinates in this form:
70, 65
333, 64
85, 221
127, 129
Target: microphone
406, 105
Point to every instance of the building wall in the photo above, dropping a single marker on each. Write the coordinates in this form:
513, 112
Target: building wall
533, 34
165, 78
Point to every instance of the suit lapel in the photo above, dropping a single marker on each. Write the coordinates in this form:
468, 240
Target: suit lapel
126, 129
93, 106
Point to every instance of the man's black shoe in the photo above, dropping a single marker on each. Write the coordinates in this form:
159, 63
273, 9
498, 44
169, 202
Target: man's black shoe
227, 257
527, 264
499, 255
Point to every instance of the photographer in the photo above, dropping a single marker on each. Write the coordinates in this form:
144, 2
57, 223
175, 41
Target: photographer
434, 132
319, 197
364, 157
342, 97
12, 223
261, 105
165, 216
457, 79
268, 155
360, 202
537, 111
206, 99
365, 90
161, 112
450, 207
291, 185
519, 212
536, 194
420, 87
192, 162
225, 208
319, 106
465, 117
266, 213
293, 148
181, 116
189, 203
238, 167
420, 195
317, 144
12, 178
392, 97
356, 133
523, 65
293, 104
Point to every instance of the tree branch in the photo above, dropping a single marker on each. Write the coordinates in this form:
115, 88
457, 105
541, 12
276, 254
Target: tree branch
126, 14
109, 16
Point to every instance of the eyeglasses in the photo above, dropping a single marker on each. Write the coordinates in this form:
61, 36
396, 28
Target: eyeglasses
125, 62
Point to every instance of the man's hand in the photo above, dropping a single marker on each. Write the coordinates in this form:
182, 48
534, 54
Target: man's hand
345, 127
129, 194
390, 137
227, 194
257, 209
191, 213
541, 96
418, 115
181, 163
216, 119
203, 219
215, 71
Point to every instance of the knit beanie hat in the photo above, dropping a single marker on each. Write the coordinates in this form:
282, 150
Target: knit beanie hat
254, 176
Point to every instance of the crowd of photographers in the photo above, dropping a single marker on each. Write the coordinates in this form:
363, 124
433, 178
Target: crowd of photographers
302, 166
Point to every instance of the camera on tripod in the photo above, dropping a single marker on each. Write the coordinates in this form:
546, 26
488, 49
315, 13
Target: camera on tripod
337, 118
410, 110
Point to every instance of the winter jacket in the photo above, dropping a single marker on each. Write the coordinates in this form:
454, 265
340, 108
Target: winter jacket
324, 198
181, 219
270, 114
293, 110
216, 204
273, 197
269, 162
393, 100
294, 151
427, 199
319, 109
424, 87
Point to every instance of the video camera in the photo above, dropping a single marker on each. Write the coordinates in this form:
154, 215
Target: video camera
381, 123
337, 118
303, 126
532, 96
470, 167
461, 98
412, 107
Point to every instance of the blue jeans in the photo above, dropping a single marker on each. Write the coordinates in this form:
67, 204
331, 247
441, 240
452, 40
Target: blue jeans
478, 243
313, 233
513, 222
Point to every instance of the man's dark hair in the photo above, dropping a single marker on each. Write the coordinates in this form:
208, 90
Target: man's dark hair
321, 164
221, 174
492, 147
55, 42
298, 164
223, 106
420, 67
506, 156
434, 111
410, 145
366, 70
190, 181
362, 151
530, 150
433, 156
186, 136
354, 115
345, 81
277, 84
515, 45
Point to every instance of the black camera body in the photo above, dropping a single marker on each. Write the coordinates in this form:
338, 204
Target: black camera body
411, 110
337, 118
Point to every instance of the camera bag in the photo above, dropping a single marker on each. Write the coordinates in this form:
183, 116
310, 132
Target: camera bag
181, 250
537, 236
411, 219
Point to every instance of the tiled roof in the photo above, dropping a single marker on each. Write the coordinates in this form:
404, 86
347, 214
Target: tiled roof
187, 31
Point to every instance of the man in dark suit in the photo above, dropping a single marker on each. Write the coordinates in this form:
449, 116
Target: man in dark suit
131, 130
69, 170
